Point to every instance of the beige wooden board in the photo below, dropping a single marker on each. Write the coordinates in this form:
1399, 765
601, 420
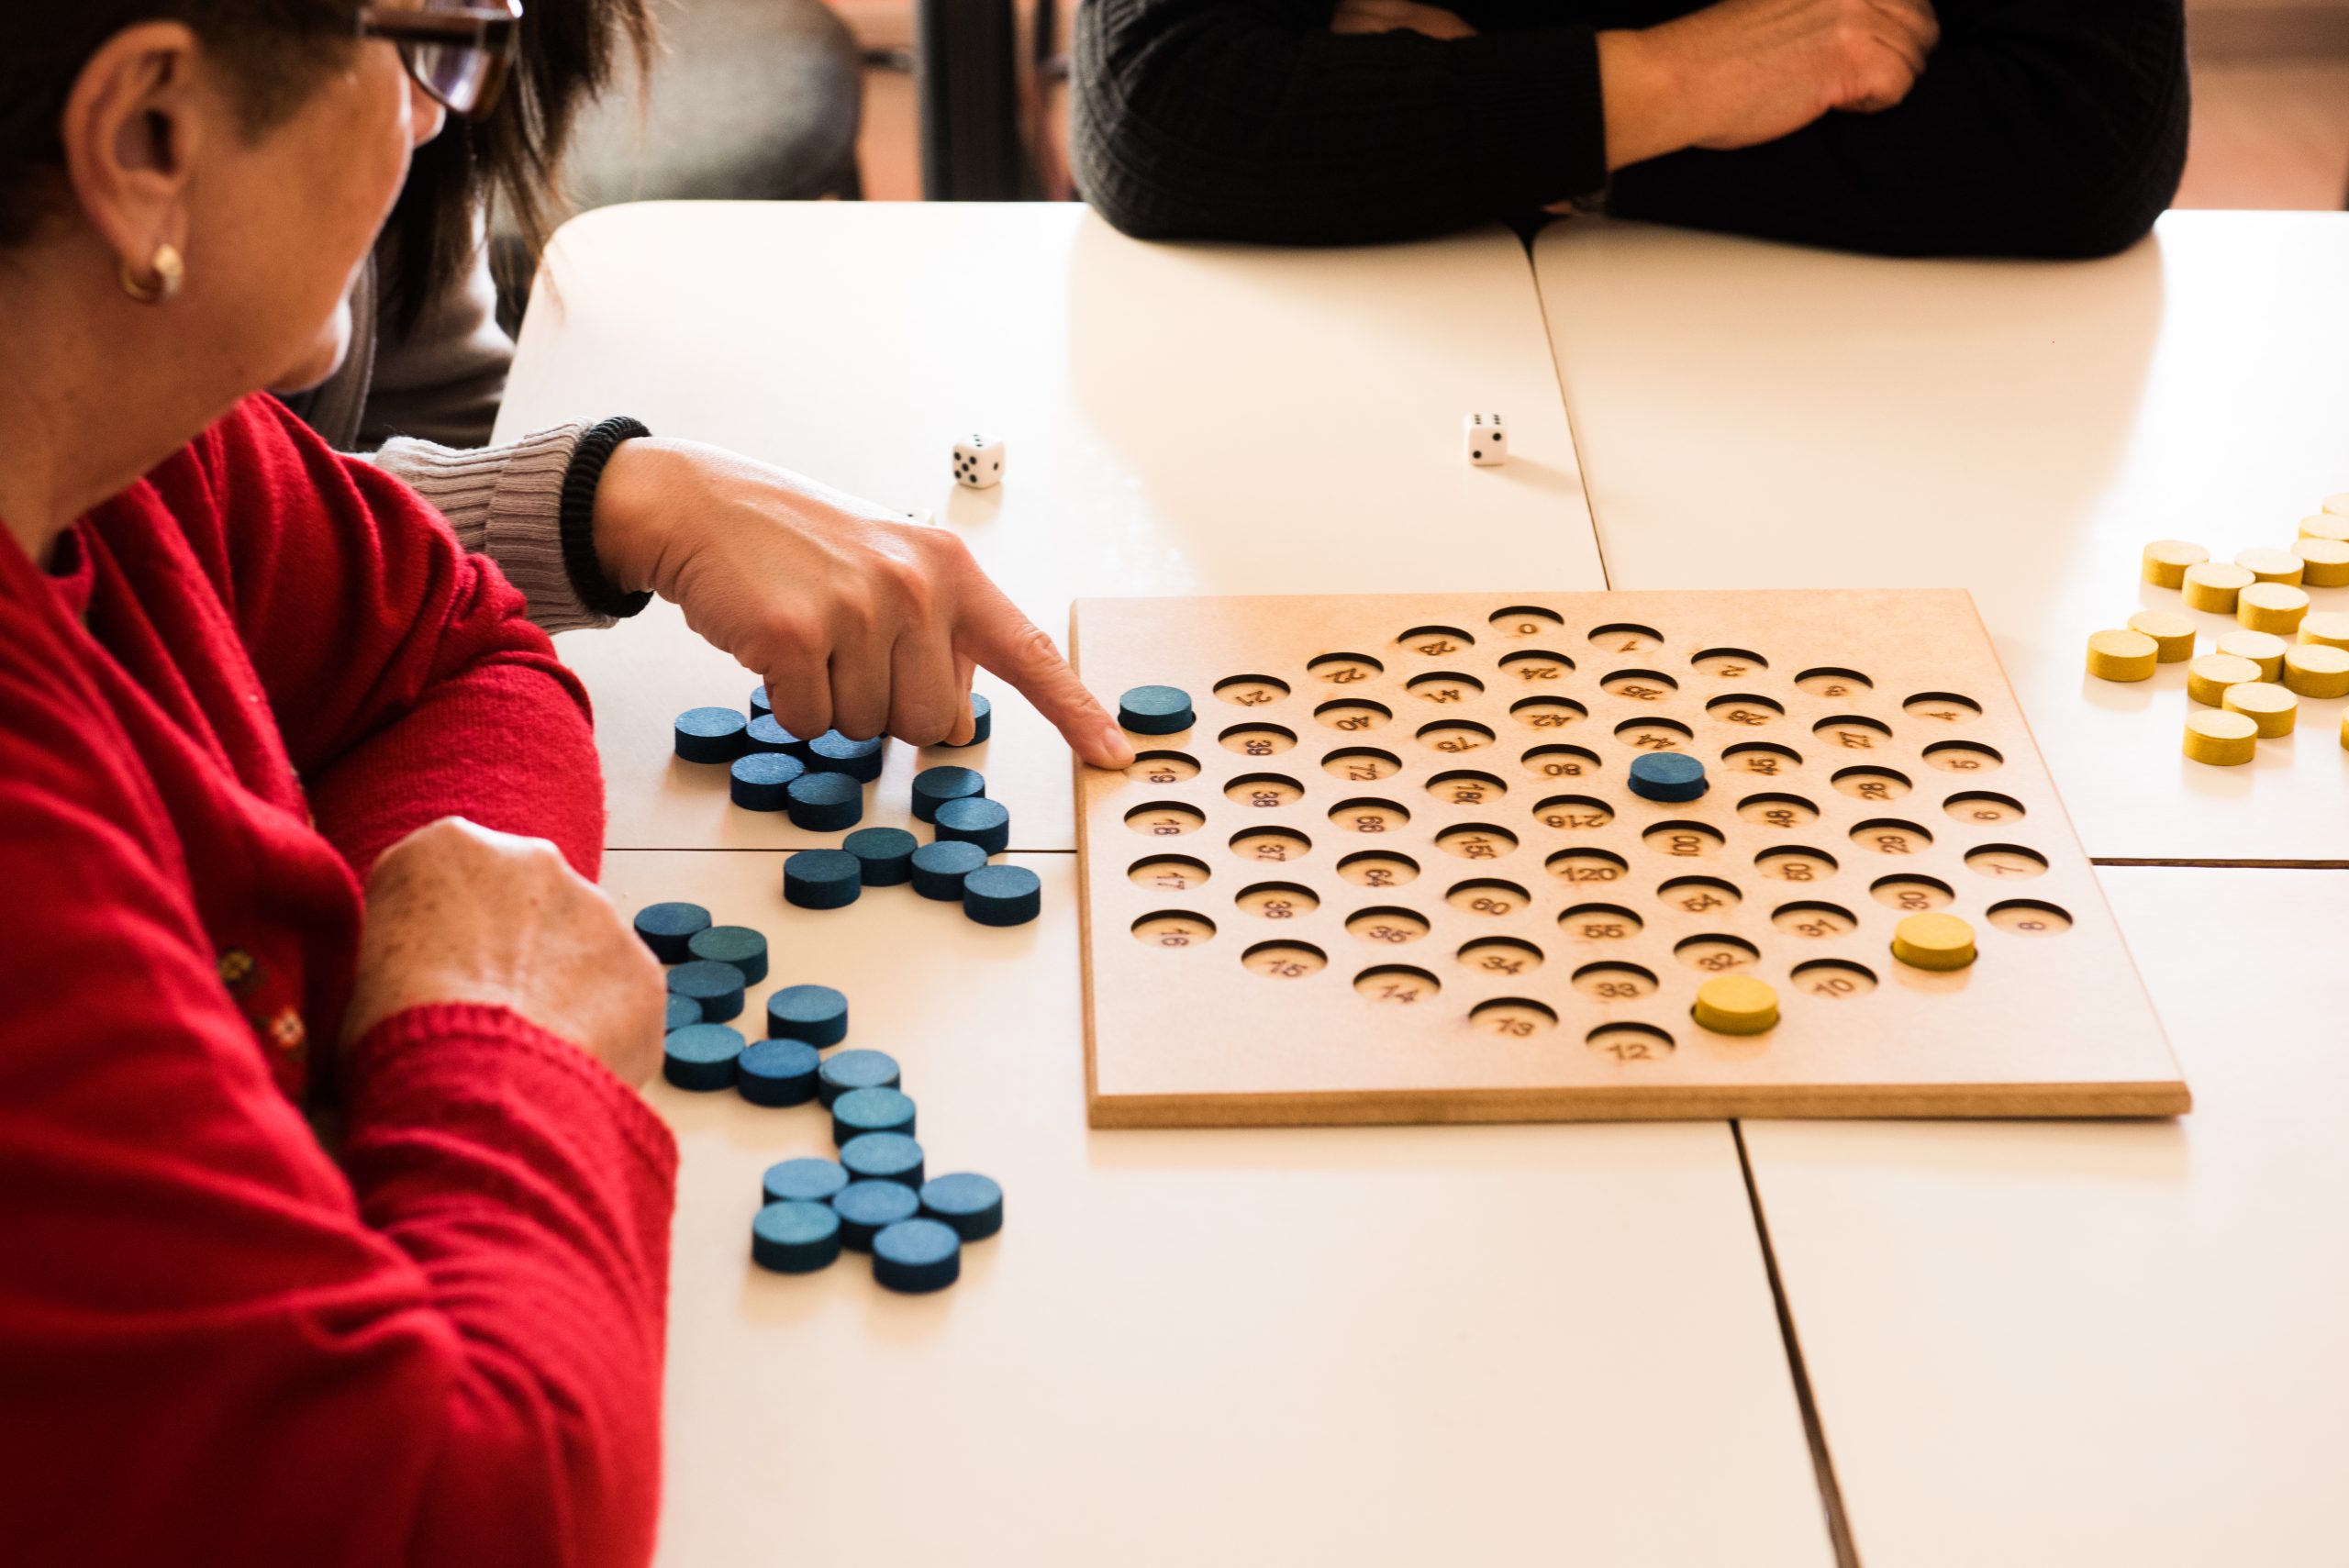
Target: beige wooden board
1762, 414
2050, 1345
1216, 1029
1178, 418
1384, 1347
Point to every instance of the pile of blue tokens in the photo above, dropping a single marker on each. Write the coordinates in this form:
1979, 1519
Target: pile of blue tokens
874, 1197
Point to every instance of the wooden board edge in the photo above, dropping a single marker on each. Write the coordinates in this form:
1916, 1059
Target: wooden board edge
1084, 892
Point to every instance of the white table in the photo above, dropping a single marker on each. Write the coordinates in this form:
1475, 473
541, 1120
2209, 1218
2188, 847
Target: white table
1758, 414
2083, 1342
1273, 1346
1180, 420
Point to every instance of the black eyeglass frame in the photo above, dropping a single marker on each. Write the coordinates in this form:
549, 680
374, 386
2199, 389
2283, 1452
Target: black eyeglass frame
492, 31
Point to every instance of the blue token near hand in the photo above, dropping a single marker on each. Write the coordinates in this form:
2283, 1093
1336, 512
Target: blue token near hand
777, 1073
982, 719
667, 927
882, 1157
794, 1238
1155, 711
974, 820
701, 1056
933, 787
940, 869
716, 986
762, 781
760, 707
1667, 776
866, 1208
743, 948
816, 1014
822, 879
916, 1255
825, 803
682, 1010
767, 734
834, 752
803, 1181
971, 1204
711, 735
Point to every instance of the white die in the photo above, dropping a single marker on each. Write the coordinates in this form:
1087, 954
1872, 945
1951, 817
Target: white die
1486, 441
978, 461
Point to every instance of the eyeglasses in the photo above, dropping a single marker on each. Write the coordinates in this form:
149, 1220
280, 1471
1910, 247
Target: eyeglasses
460, 53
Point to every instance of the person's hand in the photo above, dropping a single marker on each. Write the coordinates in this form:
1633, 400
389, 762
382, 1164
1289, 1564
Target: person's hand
457, 913
1397, 17
1746, 71
858, 618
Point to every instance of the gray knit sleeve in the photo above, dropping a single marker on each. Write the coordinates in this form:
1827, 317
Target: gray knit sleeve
504, 501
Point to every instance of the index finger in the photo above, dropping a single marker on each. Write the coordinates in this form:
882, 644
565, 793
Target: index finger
1002, 640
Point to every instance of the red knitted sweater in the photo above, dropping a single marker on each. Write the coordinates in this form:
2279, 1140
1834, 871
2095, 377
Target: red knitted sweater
239, 682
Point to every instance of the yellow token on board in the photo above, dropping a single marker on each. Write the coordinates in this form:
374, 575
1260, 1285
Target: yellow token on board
1735, 1003
2272, 606
2315, 670
1933, 941
2327, 558
2173, 633
2221, 740
2264, 648
2329, 525
2167, 559
2327, 628
2272, 707
2212, 586
2273, 565
2122, 655
2207, 678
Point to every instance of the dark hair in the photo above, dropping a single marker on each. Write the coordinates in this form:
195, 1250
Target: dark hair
569, 52
276, 50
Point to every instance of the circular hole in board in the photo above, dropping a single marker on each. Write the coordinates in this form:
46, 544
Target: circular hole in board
1548, 713
1639, 686
1354, 714
1763, 758
1851, 732
1943, 708
1784, 812
1573, 813
1983, 809
1284, 961
1795, 864
1345, 669
1461, 787
1700, 894
1585, 866
1536, 666
2006, 862
1513, 1017
1166, 820
1625, 637
1361, 764
1435, 641
1388, 928
1258, 739
1444, 686
1630, 1042
1561, 762
1365, 815
1879, 784
1745, 711
1964, 757
1716, 955
1264, 792
1830, 681
1890, 835
1814, 921
1379, 868
1488, 896
1397, 985
1476, 842
1614, 982
1271, 846
1176, 873
1174, 928
1654, 734
1501, 955
2030, 918
1684, 841
1729, 664
1599, 923
1911, 895
1834, 979
1277, 900
1252, 691
1453, 736
1163, 768
1525, 620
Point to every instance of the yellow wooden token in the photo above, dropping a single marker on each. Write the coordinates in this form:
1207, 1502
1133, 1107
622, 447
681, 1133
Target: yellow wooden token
2221, 740
2328, 629
2338, 503
1735, 1003
2167, 559
2173, 633
2207, 678
2315, 670
2271, 708
2273, 565
2344, 731
2327, 558
2264, 648
2330, 525
2212, 586
2122, 655
2272, 606
1933, 941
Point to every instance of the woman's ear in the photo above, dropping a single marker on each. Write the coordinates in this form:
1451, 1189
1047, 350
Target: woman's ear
133, 127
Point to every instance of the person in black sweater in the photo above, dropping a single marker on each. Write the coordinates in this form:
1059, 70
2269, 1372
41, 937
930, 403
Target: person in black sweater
2021, 127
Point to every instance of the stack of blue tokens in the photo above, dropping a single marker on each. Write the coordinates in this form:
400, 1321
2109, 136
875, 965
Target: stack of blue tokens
860, 1112
853, 1069
667, 927
866, 1208
1002, 895
795, 1238
885, 855
743, 948
777, 1073
983, 721
834, 752
916, 1255
824, 803
701, 1056
1156, 710
816, 1014
940, 869
933, 787
975, 819
711, 734
1667, 776
716, 986
822, 879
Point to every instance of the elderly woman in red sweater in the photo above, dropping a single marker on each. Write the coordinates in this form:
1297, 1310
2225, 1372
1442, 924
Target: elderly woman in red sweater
296, 807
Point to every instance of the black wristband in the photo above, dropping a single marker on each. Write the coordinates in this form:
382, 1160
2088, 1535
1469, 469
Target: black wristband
577, 519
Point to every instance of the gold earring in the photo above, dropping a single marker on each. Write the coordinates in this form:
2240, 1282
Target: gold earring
171, 272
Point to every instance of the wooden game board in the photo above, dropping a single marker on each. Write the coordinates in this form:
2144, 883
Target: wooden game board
1393, 873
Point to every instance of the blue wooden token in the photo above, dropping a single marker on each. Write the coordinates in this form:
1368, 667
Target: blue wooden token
886, 855
701, 1056
803, 1181
861, 1111
683, 1010
711, 734
743, 948
1002, 895
833, 752
882, 1157
1155, 711
1667, 776
855, 1070
762, 781
974, 820
716, 986
939, 869
972, 1205
765, 734
760, 707
982, 720
794, 1238
822, 879
816, 1014
777, 1073
868, 1207
933, 787
825, 803
916, 1255
667, 927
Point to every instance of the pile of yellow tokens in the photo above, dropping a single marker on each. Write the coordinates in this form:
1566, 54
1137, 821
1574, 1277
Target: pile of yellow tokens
2281, 650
